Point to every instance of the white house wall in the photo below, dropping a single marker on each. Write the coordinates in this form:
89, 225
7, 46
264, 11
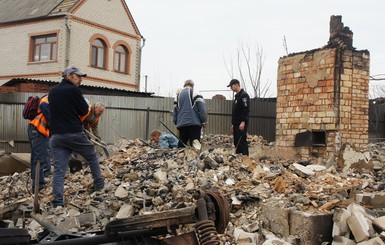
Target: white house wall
110, 13
15, 49
81, 50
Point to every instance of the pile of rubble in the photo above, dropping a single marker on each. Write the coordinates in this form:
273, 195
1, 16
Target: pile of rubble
266, 191
355, 225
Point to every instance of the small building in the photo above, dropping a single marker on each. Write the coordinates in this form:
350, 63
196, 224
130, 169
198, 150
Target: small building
40, 38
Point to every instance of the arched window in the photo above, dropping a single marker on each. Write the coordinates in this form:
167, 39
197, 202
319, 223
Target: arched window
98, 55
121, 59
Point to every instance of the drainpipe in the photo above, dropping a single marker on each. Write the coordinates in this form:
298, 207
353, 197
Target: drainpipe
143, 41
68, 39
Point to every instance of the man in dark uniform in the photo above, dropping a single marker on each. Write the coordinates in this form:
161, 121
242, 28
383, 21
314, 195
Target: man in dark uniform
67, 106
240, 117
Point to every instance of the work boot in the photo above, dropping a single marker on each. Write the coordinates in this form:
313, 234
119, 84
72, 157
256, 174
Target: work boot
99, 191
197, 145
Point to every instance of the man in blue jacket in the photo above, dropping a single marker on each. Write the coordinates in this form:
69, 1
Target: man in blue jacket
189, 114
67, 106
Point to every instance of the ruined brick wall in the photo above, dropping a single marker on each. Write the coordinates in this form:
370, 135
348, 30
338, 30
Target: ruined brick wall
323, 90
305, 98
354, 97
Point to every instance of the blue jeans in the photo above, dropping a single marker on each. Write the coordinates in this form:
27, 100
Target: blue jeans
47, 166
62, 146
39, 152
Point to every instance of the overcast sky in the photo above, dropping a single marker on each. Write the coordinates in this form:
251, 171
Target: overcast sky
190, 39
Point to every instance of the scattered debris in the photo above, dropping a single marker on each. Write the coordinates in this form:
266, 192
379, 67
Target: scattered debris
287, 196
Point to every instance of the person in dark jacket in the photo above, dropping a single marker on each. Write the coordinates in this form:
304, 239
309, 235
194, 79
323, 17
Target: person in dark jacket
67, 106
189, 114
240, 117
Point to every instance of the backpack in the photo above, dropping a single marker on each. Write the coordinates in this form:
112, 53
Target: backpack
31, 107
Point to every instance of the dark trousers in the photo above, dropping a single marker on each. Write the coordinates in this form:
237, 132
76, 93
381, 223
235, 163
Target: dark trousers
189, 134
39, 152
62, 147
240, 140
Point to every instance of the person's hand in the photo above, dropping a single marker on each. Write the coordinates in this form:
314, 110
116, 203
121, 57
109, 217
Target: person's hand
232, 129
242, 126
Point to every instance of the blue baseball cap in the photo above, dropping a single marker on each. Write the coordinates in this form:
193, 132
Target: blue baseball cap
73, 69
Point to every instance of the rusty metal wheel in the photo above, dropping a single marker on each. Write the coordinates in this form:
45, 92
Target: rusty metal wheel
222, 216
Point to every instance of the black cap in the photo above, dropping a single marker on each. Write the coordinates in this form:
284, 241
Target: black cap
232, 82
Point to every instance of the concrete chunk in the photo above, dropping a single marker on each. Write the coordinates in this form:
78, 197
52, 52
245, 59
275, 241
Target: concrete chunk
161, 176
359, 227
273, 240
125, 211
70, 223
340, 226
245, 238
379, 222
275, 219
121, 192
339, 240
316, 168
373, 241
378, 200
311, 228
87, 219
301, 170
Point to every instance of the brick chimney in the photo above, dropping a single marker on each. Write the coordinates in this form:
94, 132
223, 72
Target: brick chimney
340, 36
322, 97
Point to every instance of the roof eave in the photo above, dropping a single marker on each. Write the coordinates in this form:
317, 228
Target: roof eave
132, 18
33, 19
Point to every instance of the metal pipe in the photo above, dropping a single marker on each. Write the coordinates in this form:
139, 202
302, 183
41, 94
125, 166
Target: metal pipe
145, 83
68, 42
140, 60
202, 209
172, 133
147, 122
36, 207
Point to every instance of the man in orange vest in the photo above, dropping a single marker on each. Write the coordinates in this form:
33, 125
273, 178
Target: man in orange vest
92, 120
38, 134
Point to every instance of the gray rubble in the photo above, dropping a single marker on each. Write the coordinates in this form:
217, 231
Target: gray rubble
142, 179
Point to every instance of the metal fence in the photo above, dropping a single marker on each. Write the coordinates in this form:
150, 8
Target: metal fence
135, 117
376, 121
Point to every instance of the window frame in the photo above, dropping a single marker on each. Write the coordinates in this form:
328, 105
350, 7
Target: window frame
97, 48
126, 46
119, 54
106, 44
32, 45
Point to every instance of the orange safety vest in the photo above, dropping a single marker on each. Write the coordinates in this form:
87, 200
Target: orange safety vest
89, 125
82, 118
40, 122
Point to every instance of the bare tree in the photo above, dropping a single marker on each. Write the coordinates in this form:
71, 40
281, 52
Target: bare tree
248, 68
